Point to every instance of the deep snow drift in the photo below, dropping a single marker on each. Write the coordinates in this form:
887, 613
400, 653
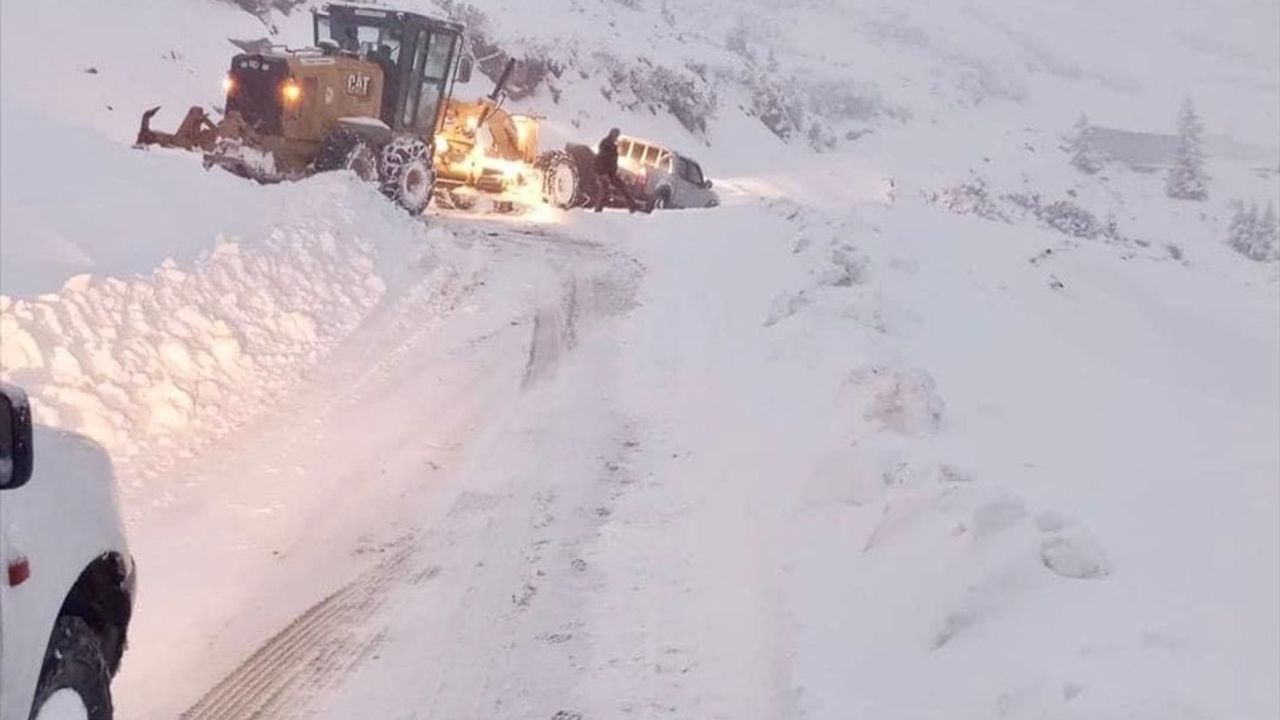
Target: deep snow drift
877, 438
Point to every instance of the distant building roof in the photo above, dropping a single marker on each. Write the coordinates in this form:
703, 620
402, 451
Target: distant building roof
1156, 150
1134, 148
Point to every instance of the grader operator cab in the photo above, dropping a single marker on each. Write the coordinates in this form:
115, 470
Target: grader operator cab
368, 97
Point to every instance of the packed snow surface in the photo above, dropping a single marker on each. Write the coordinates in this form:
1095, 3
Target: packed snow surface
924, 422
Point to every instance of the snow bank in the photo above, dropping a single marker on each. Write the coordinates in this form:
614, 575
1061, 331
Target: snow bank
156, 365
1023, 504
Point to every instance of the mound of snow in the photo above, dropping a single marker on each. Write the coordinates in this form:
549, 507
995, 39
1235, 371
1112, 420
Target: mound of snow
160, 363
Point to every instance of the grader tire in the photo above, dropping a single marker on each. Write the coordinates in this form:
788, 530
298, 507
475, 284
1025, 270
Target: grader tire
408, 175
346, 149
561, 180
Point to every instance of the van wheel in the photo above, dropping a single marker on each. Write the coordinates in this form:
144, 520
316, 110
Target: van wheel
663, 200
74, 676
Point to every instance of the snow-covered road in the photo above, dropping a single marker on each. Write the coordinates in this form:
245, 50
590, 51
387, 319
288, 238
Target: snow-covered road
317, 497
526, 531
643, 467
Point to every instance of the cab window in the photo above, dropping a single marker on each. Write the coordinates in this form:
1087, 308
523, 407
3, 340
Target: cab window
429, 75
434, 73
382, 44
411, 100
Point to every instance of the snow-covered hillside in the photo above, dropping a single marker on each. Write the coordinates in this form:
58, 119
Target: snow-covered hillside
924, 422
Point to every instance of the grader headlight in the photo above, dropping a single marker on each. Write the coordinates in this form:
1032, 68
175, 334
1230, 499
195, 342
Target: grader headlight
291, 91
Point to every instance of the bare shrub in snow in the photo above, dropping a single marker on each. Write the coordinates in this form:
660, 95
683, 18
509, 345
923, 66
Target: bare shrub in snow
778, 105
532, 70
1027, 204
843, 100
820, 111
685, 94
1187, 179
1071, 219
971, 197
1079, 145
1254, 235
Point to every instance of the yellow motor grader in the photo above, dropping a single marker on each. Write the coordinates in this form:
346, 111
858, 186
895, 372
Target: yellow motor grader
482, 148
373, 96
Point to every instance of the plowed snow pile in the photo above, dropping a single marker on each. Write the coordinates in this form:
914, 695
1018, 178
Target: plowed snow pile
157, 364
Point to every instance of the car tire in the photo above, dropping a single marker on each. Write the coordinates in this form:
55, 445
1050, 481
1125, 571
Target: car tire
662, 201
75, 661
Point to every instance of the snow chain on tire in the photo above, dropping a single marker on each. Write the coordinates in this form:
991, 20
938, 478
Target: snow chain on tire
561, 180
408, 175
584, 158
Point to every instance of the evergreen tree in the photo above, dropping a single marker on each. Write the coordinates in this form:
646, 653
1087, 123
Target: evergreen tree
1268, 234
1084, 156
1267, 225
1187, 179
1253, 235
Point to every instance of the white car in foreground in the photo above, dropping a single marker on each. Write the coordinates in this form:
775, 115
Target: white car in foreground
66, 576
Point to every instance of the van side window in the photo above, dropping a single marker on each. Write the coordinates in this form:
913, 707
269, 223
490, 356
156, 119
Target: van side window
683, 170
695, 173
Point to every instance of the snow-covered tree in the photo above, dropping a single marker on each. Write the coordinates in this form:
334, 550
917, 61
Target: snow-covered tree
1254, 235
1267, 225
1084, 156
1187, 179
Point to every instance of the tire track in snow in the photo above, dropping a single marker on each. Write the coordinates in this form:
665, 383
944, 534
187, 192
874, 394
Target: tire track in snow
317, 649
554, 333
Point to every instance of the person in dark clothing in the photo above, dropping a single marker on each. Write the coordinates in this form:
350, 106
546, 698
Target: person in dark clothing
385, 57
607, 171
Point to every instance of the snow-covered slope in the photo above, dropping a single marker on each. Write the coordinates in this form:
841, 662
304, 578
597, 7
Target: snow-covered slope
872, 440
